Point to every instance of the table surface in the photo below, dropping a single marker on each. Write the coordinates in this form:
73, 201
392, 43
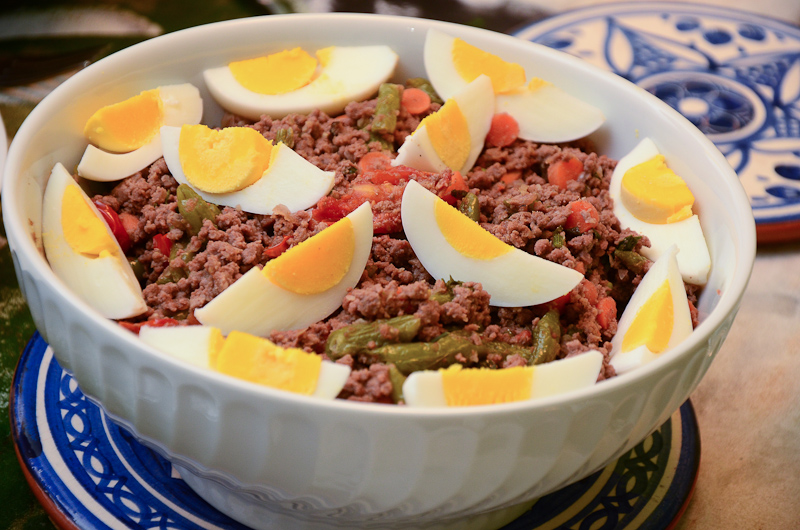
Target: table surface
748, 404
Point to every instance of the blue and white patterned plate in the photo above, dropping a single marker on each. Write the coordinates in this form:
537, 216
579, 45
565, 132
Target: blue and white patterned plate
90, 474
735, 75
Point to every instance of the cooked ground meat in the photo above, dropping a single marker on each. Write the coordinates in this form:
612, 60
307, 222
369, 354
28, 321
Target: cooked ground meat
517, 204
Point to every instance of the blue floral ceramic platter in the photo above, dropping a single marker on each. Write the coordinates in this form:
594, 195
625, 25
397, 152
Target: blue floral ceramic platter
735, 75
90, 474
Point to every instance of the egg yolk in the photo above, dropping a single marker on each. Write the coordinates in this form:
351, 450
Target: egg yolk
537, 83
449, 134
653, 324
316, 264
483, 386
84, 231
274, 74
127, 125
223, 161
465, 235
653, 193
470, 62
260, 361
215, 342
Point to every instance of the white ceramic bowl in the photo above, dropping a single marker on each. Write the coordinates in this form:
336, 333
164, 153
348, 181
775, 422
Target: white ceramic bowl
276, 460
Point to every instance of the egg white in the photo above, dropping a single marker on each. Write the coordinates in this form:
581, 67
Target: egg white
547, 115
352, 74
425, 389
181, 104
666, 268
255, 305
694, 260
476, 102
107, 283
191, 344
291, 180
514, 279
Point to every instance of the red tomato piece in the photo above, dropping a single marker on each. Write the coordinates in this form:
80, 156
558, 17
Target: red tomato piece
583, 216
162, 243
156, 323
276, 250
115, 224
562, 171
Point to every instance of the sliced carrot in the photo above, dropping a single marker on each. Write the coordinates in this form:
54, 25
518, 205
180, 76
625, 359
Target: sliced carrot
503, 131
457, 183
562, 171
583, 216
415, 101
374, 161
510, 177
607, 312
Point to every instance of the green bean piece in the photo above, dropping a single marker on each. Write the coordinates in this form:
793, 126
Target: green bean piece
414, 356
171, 275
285, 135
425, 85
138, 269
385, 145
546, 339
397, 380
386, 108
559, 240
448, 295
360, 338
470, 206
629, 243
505, 349
633, 260
195, 209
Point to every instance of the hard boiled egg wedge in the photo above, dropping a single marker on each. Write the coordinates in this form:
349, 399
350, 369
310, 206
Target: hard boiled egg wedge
293, 81
250, 358
84, 253
125, 137
238, 167
544, 112
451, 245
453, 136
652, 200
301, 286
656, 318
456, 386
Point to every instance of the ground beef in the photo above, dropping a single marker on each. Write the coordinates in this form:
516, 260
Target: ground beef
517, 204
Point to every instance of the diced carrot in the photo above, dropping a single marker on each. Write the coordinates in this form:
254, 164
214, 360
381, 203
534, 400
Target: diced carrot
503, 131
589, 291
374, 161
562, 171
415, 101
582, 216
456, 184
510, 177
607, 312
